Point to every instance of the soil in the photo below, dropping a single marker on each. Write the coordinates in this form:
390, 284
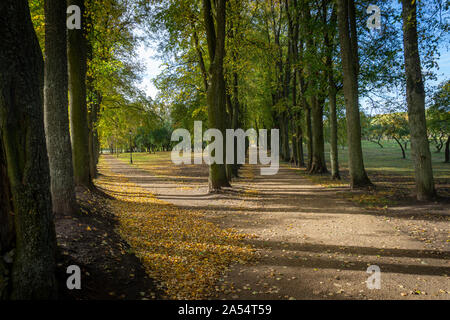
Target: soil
109, 270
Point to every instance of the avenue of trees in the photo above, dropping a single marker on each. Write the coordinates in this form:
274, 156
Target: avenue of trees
303, 67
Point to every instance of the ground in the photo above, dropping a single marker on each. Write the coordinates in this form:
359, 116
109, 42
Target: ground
311, 241
152, 231
88, 239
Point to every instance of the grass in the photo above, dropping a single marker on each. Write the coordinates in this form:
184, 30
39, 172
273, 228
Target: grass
389, 160
392, 175
376, 159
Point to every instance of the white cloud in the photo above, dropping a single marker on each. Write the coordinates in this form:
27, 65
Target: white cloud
153, 66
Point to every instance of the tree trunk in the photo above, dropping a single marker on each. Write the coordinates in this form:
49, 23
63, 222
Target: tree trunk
309, 143
229, 123
401, 147
6, 226
350, 64
56, 117
24, 148
293, 32
216, 94
318, 165
301, 157
447, 150
334, 155
329, 35
94, 107
236, 117
294, 156
284, 128
77, 55
415, 97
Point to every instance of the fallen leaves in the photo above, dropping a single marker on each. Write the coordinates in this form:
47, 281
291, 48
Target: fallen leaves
179, 248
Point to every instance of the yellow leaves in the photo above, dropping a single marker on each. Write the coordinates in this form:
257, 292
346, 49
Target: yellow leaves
375, 199
250, 192
179, 248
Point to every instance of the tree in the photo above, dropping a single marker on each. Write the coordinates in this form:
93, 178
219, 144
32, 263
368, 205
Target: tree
216, 94
111, 43
438, 118
56, 112
316, 96
393, 126
7, 243
350, 64
415, 97
23, 148
333, 88
79, 130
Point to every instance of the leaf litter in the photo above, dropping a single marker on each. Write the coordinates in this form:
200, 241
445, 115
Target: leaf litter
178, 247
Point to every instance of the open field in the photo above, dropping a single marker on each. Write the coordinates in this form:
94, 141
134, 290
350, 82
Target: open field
389, 160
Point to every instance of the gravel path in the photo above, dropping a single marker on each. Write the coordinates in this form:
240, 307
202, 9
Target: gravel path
312, 243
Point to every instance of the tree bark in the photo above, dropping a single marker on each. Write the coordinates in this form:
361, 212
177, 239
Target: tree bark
6, 225
334, 155
309, 143
56, 117
234, 101
329, 36
447, 150
79, 129
318, 164
401, 147
350, 65
93, 140
236, 118
94, 101
216, 94
25, 153
284, 131
294, 156
415, 97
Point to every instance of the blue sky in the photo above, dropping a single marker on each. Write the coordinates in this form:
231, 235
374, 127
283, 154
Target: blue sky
444, 66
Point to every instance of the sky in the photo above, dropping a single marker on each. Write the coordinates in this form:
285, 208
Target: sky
444, 66
153, 67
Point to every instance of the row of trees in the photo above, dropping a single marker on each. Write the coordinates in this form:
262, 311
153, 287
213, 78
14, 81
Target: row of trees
289, 64
49, 122
236, 63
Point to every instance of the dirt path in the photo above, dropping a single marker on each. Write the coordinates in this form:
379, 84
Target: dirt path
312, 243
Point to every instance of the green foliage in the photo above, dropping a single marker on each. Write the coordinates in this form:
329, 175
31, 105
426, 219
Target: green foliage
38, 19
391, 126
258, 55
149, 139
438, 116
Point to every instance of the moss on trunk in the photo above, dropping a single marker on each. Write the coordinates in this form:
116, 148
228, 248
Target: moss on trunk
79, 129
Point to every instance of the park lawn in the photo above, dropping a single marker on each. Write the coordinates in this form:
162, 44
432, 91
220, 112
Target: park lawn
392, 175
386, 160
389, 160
160, 164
